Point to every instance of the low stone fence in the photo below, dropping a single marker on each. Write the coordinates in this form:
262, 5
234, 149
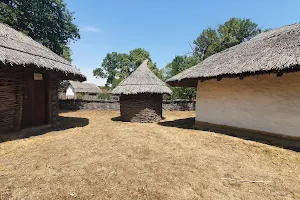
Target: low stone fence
71, 104
179, 105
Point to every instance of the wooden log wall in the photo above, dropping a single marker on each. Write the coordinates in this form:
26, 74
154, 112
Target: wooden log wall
11, 98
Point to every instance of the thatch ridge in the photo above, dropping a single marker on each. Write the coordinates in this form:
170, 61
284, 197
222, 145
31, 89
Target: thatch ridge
277, 50
18, 49
142, 80
85, 87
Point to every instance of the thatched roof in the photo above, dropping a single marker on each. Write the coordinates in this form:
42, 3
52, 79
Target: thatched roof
19, 49
105, 90
274, 51
85, 87
142, 80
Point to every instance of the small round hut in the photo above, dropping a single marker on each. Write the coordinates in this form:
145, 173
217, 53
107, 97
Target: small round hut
141, 96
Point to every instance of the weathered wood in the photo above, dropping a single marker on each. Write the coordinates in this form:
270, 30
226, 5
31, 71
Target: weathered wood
49, 100
34, 104
11, 84
279, 74
54, 101
11, 96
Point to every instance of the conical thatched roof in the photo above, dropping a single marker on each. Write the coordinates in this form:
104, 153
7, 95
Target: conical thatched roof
277, 50
85, 87
142, 80
19, 49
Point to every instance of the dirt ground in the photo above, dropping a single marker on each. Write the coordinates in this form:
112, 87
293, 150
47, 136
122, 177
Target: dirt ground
109, 159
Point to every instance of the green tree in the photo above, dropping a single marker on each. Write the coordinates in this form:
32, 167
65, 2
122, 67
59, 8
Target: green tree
236, 31
207, 43
137, 56
117, 66
179, 64
46, 21
232, 32
114, 67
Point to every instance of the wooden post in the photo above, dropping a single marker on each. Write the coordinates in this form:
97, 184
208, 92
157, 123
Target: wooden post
19, 99
49, 97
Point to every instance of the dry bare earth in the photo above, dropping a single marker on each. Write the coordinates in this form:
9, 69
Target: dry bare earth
111, 159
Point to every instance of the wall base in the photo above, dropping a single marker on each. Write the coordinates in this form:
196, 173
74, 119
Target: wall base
260, 136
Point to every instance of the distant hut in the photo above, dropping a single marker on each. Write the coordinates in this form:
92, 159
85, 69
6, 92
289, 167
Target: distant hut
107, 94
82, 90
141, 95
252, 86
29, 79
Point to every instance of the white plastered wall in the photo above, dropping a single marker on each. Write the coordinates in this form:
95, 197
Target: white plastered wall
70, 92
264, 102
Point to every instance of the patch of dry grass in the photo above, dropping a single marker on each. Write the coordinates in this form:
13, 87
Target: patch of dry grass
114, 160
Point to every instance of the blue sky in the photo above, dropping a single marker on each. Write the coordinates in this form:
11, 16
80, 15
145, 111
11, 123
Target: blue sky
162, 27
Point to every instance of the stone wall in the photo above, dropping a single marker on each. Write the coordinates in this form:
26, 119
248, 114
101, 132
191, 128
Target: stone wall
71, 104
113, 105
179, 105
141, 107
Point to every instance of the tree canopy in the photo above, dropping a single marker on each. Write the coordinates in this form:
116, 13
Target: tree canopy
46, 21
179, 64
210, 41
117, 66
232, 32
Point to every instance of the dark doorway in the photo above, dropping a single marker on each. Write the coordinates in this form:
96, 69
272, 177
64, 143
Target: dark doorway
34, 100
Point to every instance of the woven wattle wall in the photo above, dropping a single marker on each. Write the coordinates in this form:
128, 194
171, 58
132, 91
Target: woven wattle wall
11, 93
141, 107
11, 97
54, 106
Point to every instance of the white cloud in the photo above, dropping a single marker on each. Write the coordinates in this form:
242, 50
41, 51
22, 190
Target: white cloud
91, 29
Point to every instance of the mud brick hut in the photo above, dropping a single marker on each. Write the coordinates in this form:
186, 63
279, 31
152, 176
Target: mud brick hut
29, 78
141, 96
82, 90
252, 86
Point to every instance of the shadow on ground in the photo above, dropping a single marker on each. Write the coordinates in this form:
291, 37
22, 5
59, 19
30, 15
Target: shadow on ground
119, 119
116, 119
64, 124
67, 111
188, 123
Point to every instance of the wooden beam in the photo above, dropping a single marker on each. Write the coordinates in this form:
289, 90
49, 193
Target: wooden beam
49, 98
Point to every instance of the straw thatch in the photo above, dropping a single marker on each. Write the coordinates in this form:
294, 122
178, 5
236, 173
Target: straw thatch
85, 87
19, 49
276, 51
142, 80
